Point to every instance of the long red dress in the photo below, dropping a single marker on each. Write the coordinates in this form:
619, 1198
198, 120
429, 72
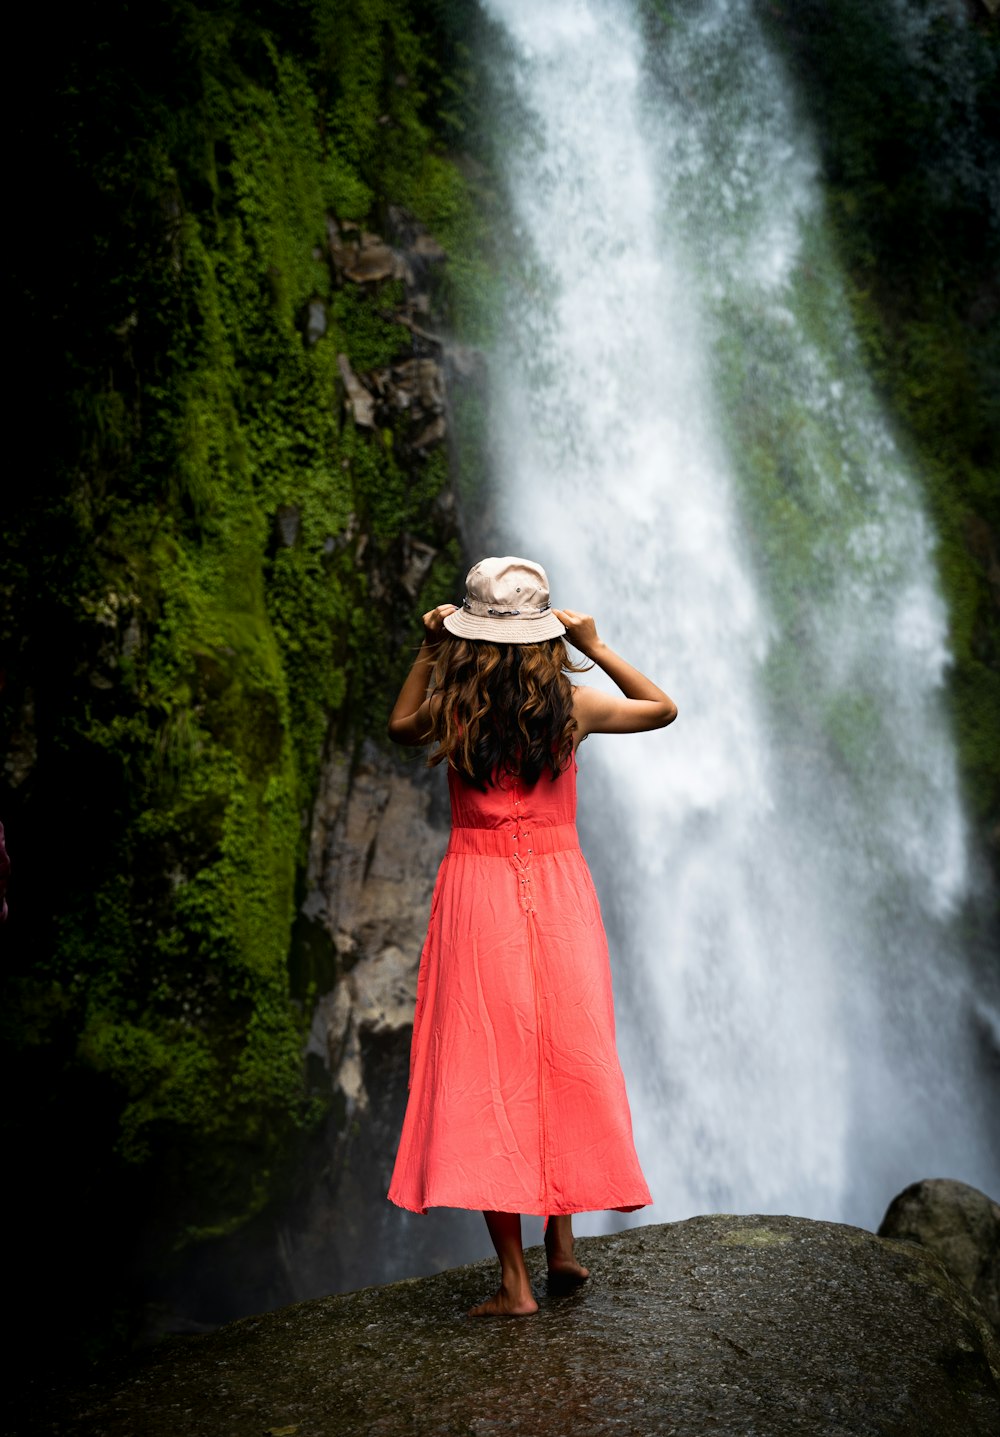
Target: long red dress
517, 1101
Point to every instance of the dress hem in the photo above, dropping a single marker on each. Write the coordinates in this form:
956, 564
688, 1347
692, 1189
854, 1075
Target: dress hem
560, 1210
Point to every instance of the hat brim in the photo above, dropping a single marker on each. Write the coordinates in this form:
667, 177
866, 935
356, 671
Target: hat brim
504, 631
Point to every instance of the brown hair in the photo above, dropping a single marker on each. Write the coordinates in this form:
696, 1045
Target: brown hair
502, 709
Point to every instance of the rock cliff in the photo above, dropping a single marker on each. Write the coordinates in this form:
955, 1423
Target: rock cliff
380, 827
713, 1327
378, 830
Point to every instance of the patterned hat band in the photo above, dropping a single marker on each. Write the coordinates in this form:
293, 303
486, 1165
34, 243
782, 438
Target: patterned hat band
484, 611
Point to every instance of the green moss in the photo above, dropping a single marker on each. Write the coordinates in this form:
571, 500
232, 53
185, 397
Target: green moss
754, 1237
370, 339
204, 583
908, 132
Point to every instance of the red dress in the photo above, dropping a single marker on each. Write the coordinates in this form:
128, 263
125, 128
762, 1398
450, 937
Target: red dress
517, 1101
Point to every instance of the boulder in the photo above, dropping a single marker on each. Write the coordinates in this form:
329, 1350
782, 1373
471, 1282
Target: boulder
719, 1326
961, 1226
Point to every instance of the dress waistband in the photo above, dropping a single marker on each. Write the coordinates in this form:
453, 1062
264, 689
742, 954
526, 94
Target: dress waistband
514, 842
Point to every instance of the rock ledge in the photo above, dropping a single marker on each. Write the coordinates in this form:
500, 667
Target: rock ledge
718, 1325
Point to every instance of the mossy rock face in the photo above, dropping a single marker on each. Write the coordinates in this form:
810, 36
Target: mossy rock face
904, 109
714, 1327
211, 567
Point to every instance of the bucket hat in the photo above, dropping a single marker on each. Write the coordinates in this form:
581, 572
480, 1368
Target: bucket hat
506, 602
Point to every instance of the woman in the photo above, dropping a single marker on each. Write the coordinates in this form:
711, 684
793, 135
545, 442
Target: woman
517, 1101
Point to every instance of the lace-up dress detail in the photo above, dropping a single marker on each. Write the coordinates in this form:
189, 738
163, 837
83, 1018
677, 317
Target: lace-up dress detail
517, 1101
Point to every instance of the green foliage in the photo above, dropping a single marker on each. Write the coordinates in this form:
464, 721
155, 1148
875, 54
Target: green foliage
201, 582
907, 113
371, 340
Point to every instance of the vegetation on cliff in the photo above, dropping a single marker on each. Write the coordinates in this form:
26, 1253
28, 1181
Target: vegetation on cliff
906, 110
202, 573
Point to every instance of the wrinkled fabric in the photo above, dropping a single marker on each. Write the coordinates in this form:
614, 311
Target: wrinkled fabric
517, 1101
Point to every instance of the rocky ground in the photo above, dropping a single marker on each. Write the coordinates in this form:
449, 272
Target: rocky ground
713, 1327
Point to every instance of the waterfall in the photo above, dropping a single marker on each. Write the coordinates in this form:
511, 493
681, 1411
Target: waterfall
684, 433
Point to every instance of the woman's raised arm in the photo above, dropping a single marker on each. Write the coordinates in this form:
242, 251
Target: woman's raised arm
410, 720
643, 706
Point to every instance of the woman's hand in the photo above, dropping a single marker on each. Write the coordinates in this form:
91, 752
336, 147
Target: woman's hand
580, 629
410, 720
433, 622
643, 705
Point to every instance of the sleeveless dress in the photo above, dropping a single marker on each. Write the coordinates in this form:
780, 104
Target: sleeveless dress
517, 1101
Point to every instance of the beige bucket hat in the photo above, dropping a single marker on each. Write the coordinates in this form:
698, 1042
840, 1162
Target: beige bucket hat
506, 602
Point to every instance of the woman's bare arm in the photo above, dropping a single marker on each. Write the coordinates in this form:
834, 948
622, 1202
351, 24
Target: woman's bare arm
410, 720
642, 704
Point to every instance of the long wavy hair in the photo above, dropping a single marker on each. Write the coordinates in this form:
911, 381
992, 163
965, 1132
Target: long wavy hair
502, 710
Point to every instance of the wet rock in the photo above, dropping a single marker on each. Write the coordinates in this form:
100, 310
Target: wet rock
373, 856
359, 402
412, 238
336, 242
416, 388
374, 851
414, 385
961, 1226
116, 634
361, 256
373, 1000
431, 434
379, 828
132, 637
373, 262
315, 321
417, 560
720, 1326
288, 525
417, 384
467, 363
427, 247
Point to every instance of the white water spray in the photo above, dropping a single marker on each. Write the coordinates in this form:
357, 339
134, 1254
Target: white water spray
687, 439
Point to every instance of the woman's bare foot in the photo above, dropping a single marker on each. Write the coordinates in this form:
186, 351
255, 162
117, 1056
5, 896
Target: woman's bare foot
514, 1297
564, 1270
569, 1271
517, 1302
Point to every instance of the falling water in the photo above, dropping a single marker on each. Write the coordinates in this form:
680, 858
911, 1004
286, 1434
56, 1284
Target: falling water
687, 438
